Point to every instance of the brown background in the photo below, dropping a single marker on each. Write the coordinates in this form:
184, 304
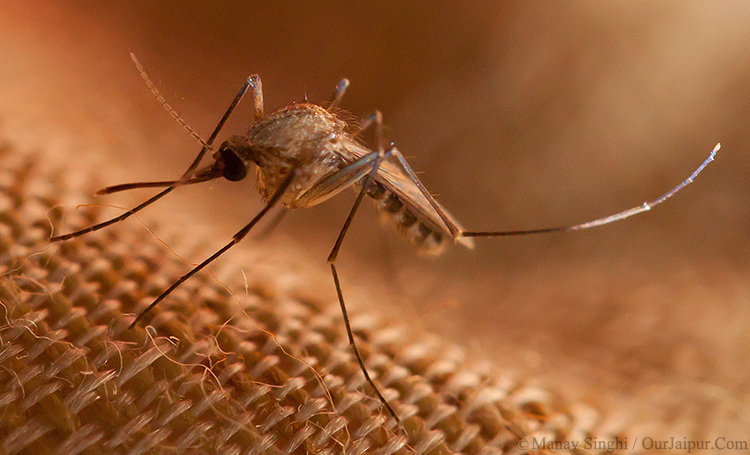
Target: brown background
523, 115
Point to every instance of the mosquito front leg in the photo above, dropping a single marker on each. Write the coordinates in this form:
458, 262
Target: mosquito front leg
235, 240
252, 81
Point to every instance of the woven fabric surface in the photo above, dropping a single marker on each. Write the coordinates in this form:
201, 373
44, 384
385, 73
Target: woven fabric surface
202, 377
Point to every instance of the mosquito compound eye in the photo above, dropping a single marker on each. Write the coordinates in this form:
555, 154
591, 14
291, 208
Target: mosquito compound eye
234, 169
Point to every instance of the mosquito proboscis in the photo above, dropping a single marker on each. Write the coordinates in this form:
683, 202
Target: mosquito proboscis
306, 153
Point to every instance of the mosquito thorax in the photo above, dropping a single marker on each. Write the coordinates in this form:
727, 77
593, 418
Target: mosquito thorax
303, 137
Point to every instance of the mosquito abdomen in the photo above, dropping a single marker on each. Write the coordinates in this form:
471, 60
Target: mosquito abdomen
427, 239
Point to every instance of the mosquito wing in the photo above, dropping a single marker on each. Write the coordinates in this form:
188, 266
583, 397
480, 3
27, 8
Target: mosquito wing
392, 175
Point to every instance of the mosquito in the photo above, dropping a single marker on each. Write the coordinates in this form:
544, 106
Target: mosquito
306, 153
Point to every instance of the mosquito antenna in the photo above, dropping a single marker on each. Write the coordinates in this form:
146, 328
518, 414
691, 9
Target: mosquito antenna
646, 206
167, 107
186, 176
183, 123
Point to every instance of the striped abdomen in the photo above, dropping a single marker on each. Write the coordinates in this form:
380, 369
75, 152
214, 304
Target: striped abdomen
428, 238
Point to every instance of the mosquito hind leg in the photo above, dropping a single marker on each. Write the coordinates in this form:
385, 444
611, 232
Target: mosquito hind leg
645, 207
376, 119
453, 228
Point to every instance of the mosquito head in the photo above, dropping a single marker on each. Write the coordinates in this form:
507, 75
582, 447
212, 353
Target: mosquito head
233, 158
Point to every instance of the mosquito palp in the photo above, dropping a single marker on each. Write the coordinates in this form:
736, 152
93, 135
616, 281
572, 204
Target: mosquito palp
203, 175
305, 154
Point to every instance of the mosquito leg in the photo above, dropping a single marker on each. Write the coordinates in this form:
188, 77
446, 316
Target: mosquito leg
354, 346
272, 225
331, 261
333, 183
338, 94
646, 206
377, 119
235, 240
257, 86
96, 227
457, 232
253, 81
454, 229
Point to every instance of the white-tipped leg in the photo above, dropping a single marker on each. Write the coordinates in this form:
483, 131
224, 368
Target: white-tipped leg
338, 94
257, 86
646, 206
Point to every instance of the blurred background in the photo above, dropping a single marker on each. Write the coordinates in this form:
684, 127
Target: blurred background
517, 114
